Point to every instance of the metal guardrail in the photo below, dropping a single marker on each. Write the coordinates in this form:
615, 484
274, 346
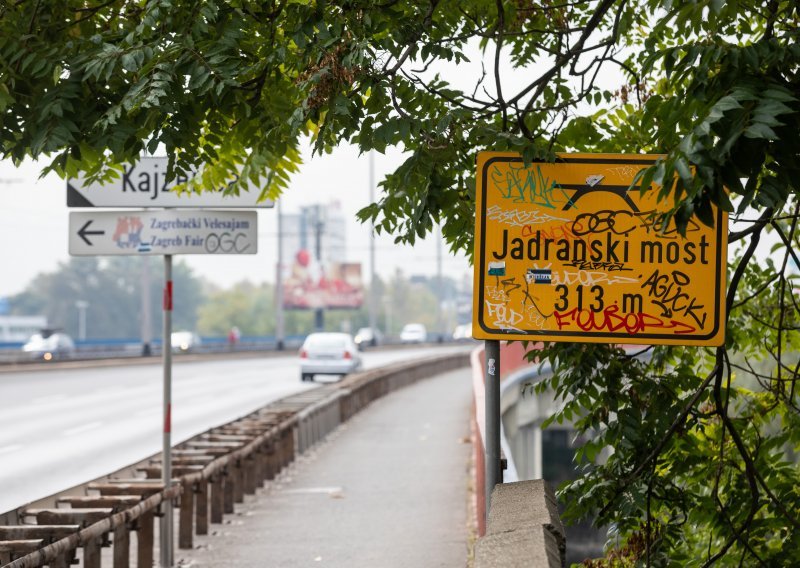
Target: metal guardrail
132, 348
213, 471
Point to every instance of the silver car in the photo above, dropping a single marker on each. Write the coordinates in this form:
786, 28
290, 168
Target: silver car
49, 345
368, 337
328, 354
413, 333
185, 341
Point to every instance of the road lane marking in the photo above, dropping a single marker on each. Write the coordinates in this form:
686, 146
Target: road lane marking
82, 429
49, 399
148, 412
323, 490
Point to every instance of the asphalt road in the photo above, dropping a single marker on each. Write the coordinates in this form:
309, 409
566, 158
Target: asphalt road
61, 427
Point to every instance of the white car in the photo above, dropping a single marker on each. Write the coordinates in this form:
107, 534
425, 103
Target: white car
328, 354
185, 341
462, 332
414, 333
49, 345
368, 336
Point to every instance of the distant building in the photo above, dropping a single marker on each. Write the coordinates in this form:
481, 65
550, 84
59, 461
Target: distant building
15, 329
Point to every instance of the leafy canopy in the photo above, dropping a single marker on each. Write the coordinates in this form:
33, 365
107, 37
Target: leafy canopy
703, 469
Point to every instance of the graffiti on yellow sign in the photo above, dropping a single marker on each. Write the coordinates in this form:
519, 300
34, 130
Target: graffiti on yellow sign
570, 251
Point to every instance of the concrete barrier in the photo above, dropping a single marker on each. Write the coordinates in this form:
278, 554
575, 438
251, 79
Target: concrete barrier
523, 529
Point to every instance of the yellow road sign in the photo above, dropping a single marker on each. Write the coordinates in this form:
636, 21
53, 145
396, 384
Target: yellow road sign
565, 252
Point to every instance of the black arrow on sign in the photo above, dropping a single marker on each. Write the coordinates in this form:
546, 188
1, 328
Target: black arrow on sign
82, 232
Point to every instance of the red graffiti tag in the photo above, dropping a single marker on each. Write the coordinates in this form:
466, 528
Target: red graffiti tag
553, 232
611, 319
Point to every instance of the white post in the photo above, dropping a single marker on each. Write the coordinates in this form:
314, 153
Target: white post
439, 284
166, 351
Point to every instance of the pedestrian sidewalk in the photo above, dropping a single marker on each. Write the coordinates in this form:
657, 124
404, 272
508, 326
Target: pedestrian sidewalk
387, 489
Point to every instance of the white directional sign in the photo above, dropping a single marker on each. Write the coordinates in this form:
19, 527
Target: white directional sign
144, 185
159, 232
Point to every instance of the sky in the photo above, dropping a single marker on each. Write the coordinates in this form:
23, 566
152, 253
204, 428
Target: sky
34, 225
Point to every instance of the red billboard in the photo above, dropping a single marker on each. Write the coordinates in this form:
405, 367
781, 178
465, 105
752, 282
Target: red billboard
310, 284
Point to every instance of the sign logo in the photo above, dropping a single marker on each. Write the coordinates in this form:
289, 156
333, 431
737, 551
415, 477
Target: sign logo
128, 234
570, 251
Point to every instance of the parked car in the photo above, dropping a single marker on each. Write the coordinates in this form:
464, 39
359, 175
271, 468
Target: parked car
185, 341
414, 333
49, 344
462, 332
368, 336
328, 354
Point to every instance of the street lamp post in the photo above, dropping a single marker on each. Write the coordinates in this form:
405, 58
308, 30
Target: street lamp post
387, 302
82, 305
439, 285
319, 228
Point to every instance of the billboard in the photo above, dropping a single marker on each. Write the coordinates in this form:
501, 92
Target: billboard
310, 284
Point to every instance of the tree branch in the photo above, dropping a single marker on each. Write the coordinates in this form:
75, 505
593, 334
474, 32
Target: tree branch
426, 22
501, 22
566, 57
749, 466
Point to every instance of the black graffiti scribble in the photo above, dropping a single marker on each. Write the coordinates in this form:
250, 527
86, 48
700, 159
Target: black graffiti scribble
668, 291
619, 222
584, 190
657, 223
509, 285
591, 265
527, 297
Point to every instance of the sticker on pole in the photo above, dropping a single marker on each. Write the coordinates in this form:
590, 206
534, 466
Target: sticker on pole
568, 251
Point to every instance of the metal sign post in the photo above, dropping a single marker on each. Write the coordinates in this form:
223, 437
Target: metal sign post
166, 466
492, 430
164, 232
160, 232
